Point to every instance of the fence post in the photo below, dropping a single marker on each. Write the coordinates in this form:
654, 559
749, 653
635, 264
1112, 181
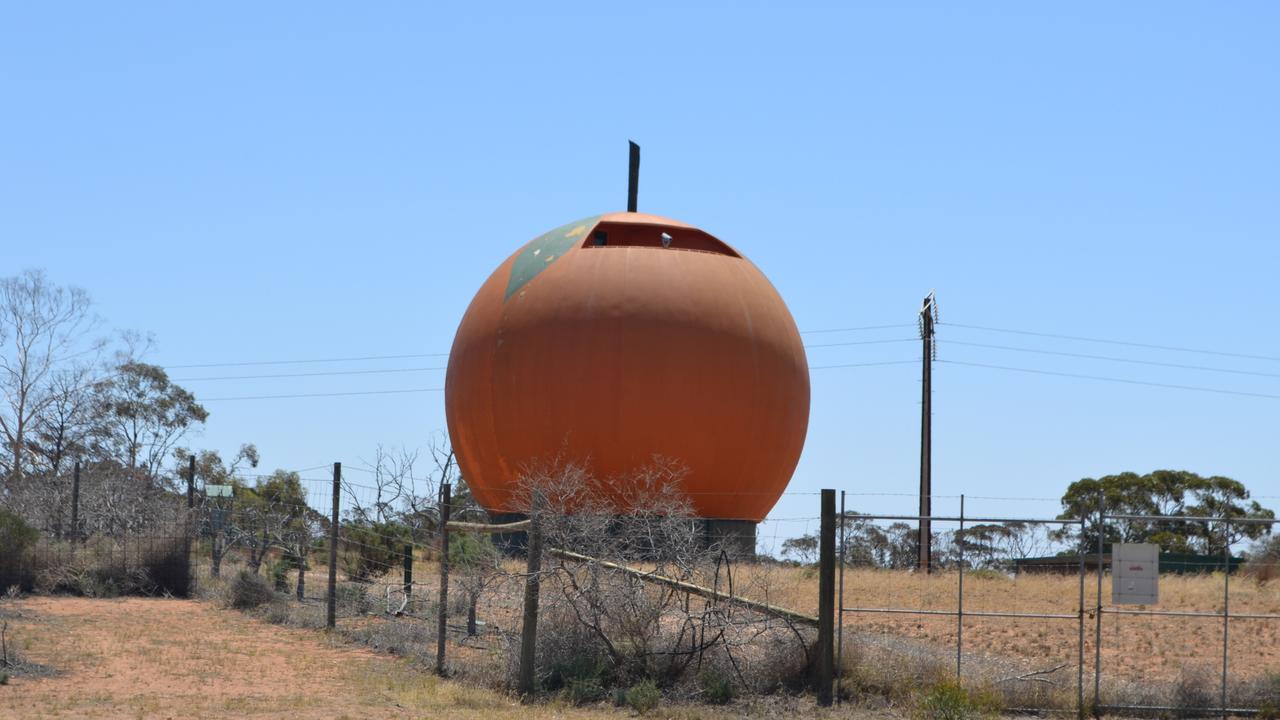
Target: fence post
532, 587
331, 611
75, 503
191, 504
1226, 607
446, 500
826, 598
408, 571
960, 592
1080, 552
840, 604
1097, 633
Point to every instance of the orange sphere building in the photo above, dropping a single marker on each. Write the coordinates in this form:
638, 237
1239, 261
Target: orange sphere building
620, 337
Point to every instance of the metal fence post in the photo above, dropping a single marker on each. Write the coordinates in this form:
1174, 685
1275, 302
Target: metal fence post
1097, 635
331, 611
825, 664
960, 592
532, 588
840, 605
1226, 606
1080, 551
443, 615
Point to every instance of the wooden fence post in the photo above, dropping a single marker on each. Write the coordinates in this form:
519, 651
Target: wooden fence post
532, 586
331, 612
75, 503
825, 664
408, 570
443, 616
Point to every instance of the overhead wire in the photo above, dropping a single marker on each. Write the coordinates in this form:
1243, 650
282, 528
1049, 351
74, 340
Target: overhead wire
1102, 378
310, 374
426, 355
314, 395
1109, 358
1081, 338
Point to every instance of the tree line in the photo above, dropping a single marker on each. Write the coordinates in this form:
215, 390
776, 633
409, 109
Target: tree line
1159, 507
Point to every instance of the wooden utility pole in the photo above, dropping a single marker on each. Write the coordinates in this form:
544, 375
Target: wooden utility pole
928, 317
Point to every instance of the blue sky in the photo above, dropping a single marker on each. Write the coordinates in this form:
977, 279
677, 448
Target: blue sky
304, 180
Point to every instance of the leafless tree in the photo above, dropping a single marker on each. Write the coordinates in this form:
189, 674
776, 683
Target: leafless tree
42, 328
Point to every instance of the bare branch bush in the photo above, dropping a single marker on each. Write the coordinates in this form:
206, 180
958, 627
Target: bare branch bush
625, 628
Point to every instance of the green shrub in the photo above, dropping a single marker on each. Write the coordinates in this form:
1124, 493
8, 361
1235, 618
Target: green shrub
643, 696
17, 538
583, 691
373, 549
564, 670
248, 591
278, 571
948, 700
4, 678
353, 598
717, 688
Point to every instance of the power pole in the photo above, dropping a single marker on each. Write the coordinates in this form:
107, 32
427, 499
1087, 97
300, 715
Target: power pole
928, 318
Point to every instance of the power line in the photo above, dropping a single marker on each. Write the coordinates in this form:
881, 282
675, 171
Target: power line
307, 360
1113, 379
867, 364
427, 355
422, 390
1148, 346
856, 329
312, 374
1111, 358
860, 342
311, 395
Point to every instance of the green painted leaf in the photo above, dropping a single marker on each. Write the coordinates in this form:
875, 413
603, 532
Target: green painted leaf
546, 249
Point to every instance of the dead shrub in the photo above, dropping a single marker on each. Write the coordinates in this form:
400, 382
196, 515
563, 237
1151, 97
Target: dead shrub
1196, 689
249, 590
103, 567
615, 629
398, 636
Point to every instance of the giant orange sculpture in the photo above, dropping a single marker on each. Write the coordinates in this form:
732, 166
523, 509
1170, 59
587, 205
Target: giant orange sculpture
620, 337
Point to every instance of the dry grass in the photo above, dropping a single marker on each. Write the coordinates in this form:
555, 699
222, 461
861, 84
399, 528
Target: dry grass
1149, 659
134, 657
1145, 659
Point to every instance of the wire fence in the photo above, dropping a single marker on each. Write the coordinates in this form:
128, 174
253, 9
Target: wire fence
1026, 606
1017, 605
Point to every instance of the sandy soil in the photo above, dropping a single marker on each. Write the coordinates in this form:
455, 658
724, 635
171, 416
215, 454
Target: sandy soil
182, 659
157, 658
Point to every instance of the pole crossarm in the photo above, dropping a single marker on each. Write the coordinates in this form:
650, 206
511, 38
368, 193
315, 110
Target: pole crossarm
683, 586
